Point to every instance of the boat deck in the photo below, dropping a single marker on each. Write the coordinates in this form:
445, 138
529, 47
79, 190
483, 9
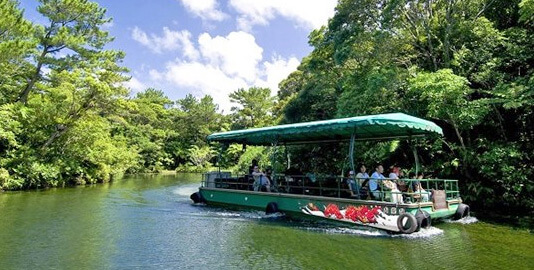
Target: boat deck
337, 187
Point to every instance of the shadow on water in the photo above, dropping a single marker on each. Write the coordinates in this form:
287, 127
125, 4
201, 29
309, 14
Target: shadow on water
149, 222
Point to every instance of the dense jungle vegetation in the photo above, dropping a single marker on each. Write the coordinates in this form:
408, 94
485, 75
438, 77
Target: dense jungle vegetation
65, 117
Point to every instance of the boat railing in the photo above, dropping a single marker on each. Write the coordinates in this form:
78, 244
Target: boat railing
396, 190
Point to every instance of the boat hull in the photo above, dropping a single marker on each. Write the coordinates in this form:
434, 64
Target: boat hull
376, 214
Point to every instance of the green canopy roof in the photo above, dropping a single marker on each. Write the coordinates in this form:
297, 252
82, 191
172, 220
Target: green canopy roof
369, 127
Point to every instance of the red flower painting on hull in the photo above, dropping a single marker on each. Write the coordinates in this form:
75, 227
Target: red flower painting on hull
361, 214
333, 210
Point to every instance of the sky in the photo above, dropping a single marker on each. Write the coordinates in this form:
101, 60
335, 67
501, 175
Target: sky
209, 47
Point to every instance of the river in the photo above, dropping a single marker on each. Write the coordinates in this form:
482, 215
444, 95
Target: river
148, 222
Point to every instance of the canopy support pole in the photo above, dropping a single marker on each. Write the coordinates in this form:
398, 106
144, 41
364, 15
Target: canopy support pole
219, 158
352, 168
351, 151
288, 157
416, 157
274, 183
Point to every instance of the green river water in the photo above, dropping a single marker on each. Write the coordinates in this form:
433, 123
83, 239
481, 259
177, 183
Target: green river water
148, 222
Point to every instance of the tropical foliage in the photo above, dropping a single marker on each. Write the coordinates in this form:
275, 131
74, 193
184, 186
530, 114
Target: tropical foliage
466, 65
65, 117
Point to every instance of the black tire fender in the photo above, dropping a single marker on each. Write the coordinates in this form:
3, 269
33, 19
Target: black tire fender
271, 208
462, 211
406, 223
197, 198
423, 220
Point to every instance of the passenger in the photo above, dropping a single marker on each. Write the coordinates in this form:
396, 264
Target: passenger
396, 195
269, 172
362, 174
425, 195
401, 184
393, 172
251, 167
411, 181
351, 182
260, 180
420, 175
364, 190
373, 181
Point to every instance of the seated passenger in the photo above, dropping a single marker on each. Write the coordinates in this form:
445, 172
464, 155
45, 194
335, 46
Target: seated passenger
423, 193
419, 176
251, 167
352, 185
373, 181
362, 175
364, 190
401, 184
396, 195
260, 180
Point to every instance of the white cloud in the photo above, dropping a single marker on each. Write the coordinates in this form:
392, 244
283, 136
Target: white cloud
236, 54
205, 9
155, 75
308, 14
204, 79
135, 85
225, 64
169, 41
276, 70
141, 37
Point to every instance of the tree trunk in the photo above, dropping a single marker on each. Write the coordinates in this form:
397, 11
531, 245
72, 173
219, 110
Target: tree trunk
446, 42
426, 25
465, 164
74, 116
58, 133
23, 97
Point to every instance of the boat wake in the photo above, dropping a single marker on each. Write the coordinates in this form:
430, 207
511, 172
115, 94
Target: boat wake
185, 191
465, 220
248, 215
342, 230
423, 233
260, 215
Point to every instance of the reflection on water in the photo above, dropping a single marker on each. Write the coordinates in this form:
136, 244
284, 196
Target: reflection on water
149, 222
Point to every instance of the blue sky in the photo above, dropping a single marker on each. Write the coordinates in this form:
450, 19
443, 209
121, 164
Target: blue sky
209, 47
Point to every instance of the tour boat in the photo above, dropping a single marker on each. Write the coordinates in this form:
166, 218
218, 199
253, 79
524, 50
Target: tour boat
326, 196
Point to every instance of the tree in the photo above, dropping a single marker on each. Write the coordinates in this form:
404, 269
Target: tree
255, 108
194, 119
74, 25
62, 133
146, 124
16, 45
